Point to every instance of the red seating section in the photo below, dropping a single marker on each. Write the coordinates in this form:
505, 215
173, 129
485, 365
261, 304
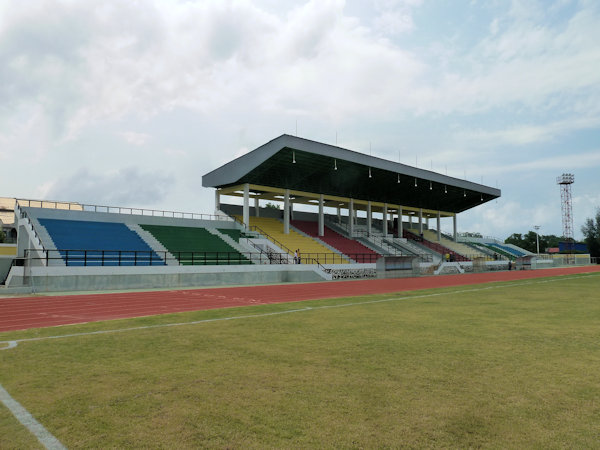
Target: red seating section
353, 249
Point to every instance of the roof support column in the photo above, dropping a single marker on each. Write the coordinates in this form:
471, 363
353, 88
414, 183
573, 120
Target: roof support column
439, 231
454, 226
369, 218
246, 208
256, 207
385, 219
321, 216
339, 215
420, 220
217, 200
351, 218
410, 218
400, 229
286, 212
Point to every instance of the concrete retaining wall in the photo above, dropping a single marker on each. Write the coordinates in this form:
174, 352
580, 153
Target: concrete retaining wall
59, 279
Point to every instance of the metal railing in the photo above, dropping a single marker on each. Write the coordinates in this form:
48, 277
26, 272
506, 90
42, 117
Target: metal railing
23, 215
76, 257
119, 210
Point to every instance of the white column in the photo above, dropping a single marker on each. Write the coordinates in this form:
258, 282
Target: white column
217, 200
410, 218
439, 231
339, 215
321, 216
246, 208
421, 220
286, 212
454, 226
369, 218
256, 207
385, 219
351, 218
400, 228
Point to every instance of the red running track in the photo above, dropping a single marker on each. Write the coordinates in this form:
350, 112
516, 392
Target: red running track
20, 313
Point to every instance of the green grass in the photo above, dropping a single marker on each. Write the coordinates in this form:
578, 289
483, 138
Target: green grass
510, 367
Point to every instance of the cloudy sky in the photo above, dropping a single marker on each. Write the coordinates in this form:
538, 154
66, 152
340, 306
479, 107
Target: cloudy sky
129, 103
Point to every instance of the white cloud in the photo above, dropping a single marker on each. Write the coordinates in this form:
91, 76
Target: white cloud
520, 135
124, 187
203, 82
559, 163
134, 138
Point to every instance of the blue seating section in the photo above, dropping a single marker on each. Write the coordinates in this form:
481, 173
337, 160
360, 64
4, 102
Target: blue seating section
99, 243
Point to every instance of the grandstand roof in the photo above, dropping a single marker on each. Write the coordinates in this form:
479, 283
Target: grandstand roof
294, 163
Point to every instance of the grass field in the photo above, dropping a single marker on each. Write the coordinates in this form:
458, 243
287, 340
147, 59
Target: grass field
503, 365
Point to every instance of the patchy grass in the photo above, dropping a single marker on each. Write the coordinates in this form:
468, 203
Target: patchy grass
510, 365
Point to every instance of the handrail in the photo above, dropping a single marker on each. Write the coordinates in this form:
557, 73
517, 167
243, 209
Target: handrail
381, 242
23, 215
435, 246
271, 238
90, 257
71, 206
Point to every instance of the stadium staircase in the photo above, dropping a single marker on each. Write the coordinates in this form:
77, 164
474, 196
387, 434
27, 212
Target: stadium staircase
438, 248
460, 248
375, 241
351, 248
195, 245
154, 243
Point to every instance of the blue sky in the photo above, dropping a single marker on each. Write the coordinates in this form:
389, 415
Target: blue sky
130, 103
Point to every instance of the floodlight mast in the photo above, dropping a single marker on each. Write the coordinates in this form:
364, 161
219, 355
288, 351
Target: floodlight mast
565, 181
537, 238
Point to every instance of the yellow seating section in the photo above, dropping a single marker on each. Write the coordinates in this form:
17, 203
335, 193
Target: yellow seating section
309, 248
8, 250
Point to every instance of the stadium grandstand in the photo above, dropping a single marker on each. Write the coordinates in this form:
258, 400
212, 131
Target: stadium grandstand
320, 212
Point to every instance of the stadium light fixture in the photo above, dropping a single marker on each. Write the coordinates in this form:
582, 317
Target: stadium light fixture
464, 193
370, 176
430, 186
335, 164
415, 182
445, 189
293, 157
398, 178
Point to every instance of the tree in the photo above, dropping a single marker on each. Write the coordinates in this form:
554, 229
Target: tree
591, 233
515, 239
270, 205
529, 241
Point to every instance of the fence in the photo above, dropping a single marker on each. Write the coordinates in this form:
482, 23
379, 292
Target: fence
119, 210
75, 257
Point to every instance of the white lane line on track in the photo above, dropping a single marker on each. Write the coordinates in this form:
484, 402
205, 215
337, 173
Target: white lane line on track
518, 283
28, 421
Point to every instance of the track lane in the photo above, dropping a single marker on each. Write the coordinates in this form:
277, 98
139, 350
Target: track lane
19, 313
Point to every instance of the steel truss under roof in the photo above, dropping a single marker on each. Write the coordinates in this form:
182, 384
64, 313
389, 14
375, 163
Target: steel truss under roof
309, 169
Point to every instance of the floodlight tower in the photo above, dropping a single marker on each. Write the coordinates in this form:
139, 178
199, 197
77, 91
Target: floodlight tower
565, 181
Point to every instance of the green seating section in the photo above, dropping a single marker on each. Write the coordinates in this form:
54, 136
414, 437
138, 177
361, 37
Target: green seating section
233, 233
195, 246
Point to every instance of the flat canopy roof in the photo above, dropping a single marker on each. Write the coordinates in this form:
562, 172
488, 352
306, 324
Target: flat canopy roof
298, 164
